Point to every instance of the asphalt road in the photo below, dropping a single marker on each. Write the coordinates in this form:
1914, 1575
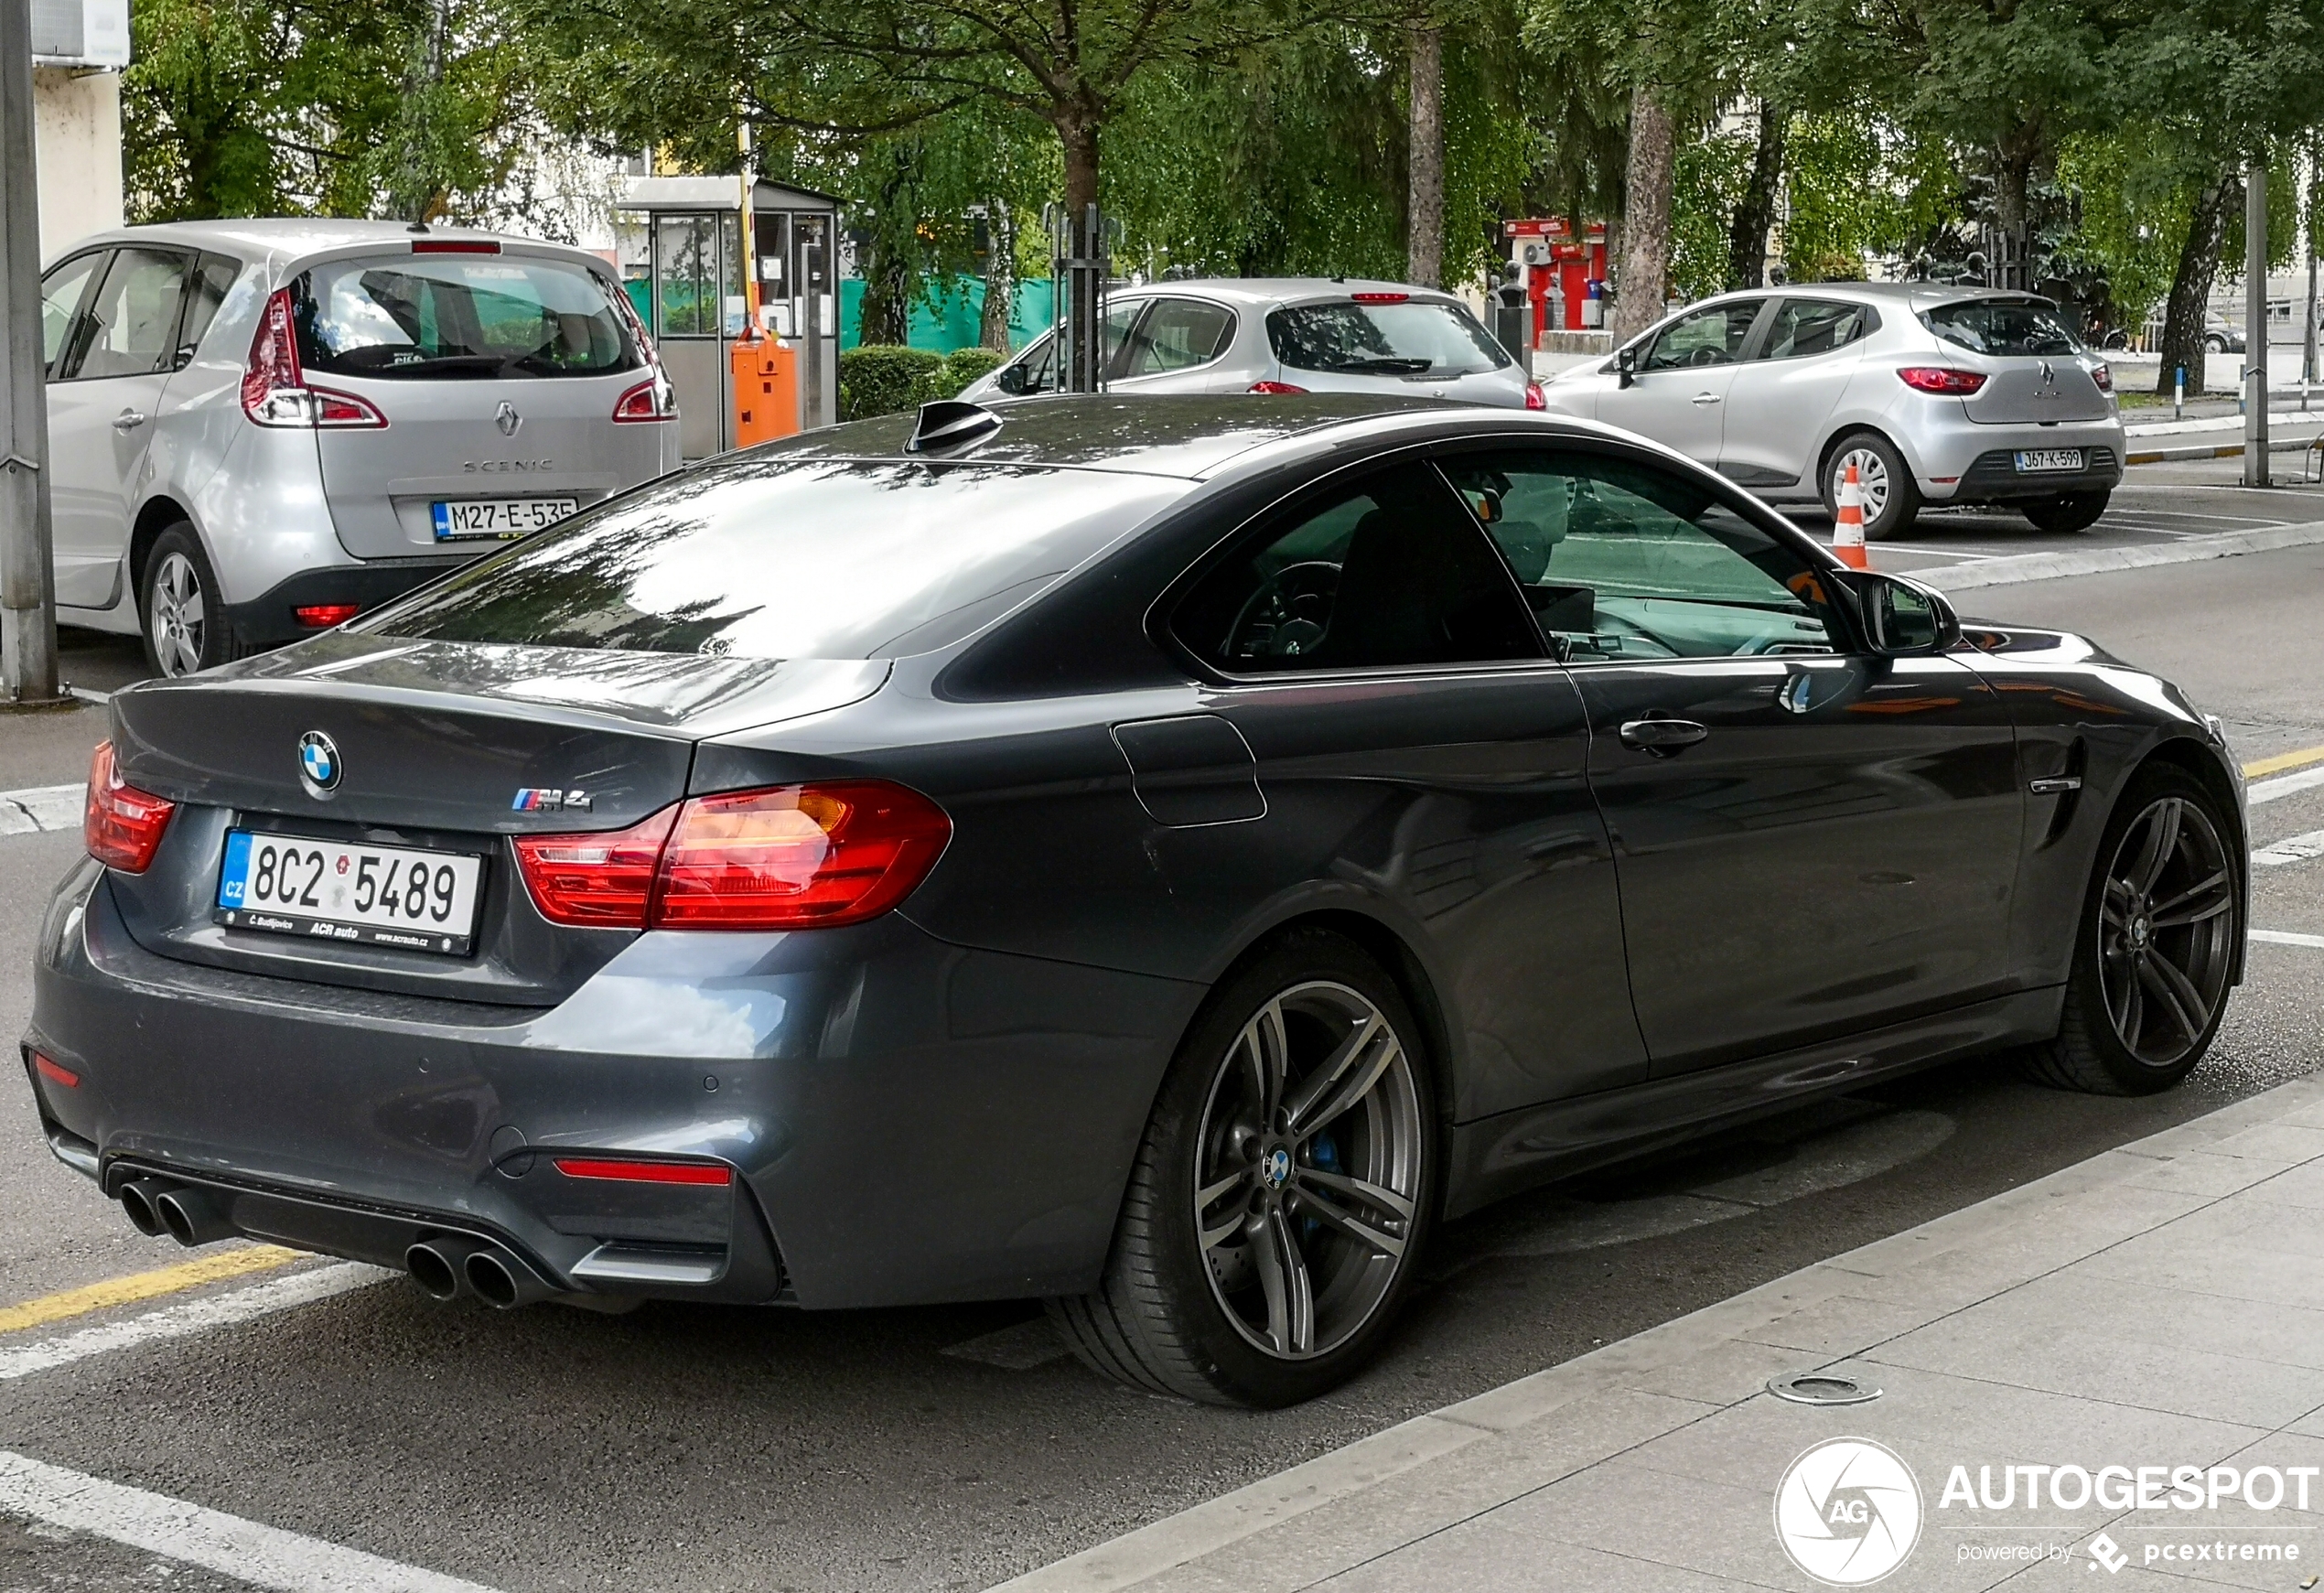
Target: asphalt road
696, 1448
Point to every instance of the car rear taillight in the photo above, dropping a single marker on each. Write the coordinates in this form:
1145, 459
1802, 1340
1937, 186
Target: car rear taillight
323, 616
274, 390
1943, 380
625, 1170
1535, 397
596, 881
785, 857
2103, 376
1274, 387
653, 399
1381, 298
122, 826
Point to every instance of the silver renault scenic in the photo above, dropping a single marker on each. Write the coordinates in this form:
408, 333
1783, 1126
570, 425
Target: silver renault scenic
1937, 394
257, 429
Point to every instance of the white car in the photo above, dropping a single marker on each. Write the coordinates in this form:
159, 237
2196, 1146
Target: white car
1937, 394
1286, 335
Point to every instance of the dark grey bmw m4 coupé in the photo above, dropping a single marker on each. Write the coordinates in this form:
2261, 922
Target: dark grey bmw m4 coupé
1160, 855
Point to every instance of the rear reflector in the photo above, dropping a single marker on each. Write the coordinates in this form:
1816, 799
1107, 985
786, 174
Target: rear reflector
323, 616
785, 857
1943, 380
122, 826
1381, 298
646, 1172
1274, 387
455, 246
53, 1073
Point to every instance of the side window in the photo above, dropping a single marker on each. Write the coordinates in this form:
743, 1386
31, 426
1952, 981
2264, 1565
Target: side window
1801, 327
212, 277
1180, 333
1711, 337
1385, 574
1623, 561
62, 292
132, 321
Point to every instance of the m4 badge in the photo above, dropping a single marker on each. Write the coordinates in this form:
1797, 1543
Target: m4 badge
529, 800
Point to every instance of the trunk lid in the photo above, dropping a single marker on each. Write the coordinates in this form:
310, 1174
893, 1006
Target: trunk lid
434, 745
2034, 389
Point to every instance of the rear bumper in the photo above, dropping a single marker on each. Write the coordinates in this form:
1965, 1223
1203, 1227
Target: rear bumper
1957, 460
271, 619
908, 1120
1994, 477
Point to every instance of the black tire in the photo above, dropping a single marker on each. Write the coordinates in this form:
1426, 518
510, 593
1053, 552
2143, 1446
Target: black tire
177, 574
2216, 345
1173, 1315
2122, 947
2070, 511
1898, 498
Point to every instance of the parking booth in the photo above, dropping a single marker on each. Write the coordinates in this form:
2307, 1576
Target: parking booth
680, 245
1565, 273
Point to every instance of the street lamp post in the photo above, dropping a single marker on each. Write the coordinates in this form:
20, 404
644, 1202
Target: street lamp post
27, 601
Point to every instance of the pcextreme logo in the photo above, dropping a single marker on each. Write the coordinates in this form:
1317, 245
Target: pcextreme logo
1847, 1512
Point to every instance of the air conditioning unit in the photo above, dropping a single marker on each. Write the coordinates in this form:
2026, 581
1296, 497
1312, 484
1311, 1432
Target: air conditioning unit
81, 33
1536, 253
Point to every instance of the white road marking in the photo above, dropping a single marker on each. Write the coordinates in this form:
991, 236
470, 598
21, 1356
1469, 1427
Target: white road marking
2286, 938
42, 807
2293, 849
263, 1556
1017, 1348
2283, 785
241, 1305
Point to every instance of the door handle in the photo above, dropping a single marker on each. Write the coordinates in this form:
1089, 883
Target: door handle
128, 420
1662, 737
1705, 398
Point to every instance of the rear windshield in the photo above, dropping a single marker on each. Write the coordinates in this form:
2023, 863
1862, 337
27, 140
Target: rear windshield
2003, 326
1419, 337
460, 316
779, 558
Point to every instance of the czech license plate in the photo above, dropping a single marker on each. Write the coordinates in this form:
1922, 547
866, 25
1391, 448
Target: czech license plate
2032, 459
498, 516
330, 890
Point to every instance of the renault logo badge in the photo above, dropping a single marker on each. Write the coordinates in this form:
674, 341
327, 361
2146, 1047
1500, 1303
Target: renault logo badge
507, 418
318, 763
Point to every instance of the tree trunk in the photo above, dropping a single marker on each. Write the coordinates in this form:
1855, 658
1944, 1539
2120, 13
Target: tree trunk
1641, 277
2190, 285
2014, 159
1424, 201
1000, 274
1746, 239
1077, 131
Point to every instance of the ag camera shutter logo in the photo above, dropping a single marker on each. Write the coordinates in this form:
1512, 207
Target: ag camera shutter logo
1847, 1512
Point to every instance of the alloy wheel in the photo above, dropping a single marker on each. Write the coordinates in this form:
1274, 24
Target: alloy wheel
2166, 932
1309, 1164
1871, 477
177, 618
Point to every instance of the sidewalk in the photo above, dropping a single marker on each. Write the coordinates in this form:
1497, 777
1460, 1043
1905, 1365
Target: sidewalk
2158, 1309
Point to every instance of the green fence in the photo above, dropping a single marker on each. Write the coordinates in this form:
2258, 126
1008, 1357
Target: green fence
942, 321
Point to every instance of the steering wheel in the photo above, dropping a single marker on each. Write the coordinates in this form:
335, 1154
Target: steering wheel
1288, 615
1706, 355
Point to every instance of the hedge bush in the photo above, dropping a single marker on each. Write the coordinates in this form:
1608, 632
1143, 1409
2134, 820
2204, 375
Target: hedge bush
882, 379
962, 366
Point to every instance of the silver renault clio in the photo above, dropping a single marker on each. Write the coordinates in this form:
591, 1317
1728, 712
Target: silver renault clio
257, 429
1937, 394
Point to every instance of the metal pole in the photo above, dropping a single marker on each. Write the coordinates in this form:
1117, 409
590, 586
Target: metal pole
2255, 323
27, 578
2308, 244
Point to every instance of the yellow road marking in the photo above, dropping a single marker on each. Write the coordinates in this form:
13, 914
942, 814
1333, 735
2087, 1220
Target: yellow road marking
2281, 762
144, 1285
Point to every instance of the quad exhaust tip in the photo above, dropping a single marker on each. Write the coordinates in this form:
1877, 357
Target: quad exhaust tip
448, 1267
192, 1216
502, 1282
137, 1204
435, 1265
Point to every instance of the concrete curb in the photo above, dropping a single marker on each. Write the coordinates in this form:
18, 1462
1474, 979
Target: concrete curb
1176, 1541
2222, 451
2016, 568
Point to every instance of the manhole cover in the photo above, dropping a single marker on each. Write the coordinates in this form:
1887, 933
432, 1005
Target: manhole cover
1822, 1388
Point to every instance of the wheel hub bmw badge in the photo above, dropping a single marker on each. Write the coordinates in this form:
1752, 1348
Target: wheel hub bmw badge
1276, 1168
318, 762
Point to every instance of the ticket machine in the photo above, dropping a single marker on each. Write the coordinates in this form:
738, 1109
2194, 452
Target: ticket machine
680, 243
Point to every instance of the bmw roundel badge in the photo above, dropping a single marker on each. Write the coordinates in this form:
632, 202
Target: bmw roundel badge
318, 762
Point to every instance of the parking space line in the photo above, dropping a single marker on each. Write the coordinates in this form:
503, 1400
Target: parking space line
2292, 850
2286, 938
2260, 766
144, 1285
241, 1305
247, 1551
2283, 785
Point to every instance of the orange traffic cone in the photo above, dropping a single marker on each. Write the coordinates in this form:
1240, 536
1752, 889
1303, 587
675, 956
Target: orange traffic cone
1847, 525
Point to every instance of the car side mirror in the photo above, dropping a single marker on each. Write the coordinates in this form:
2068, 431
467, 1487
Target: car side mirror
1903, 618
1625, 366
1011, 379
